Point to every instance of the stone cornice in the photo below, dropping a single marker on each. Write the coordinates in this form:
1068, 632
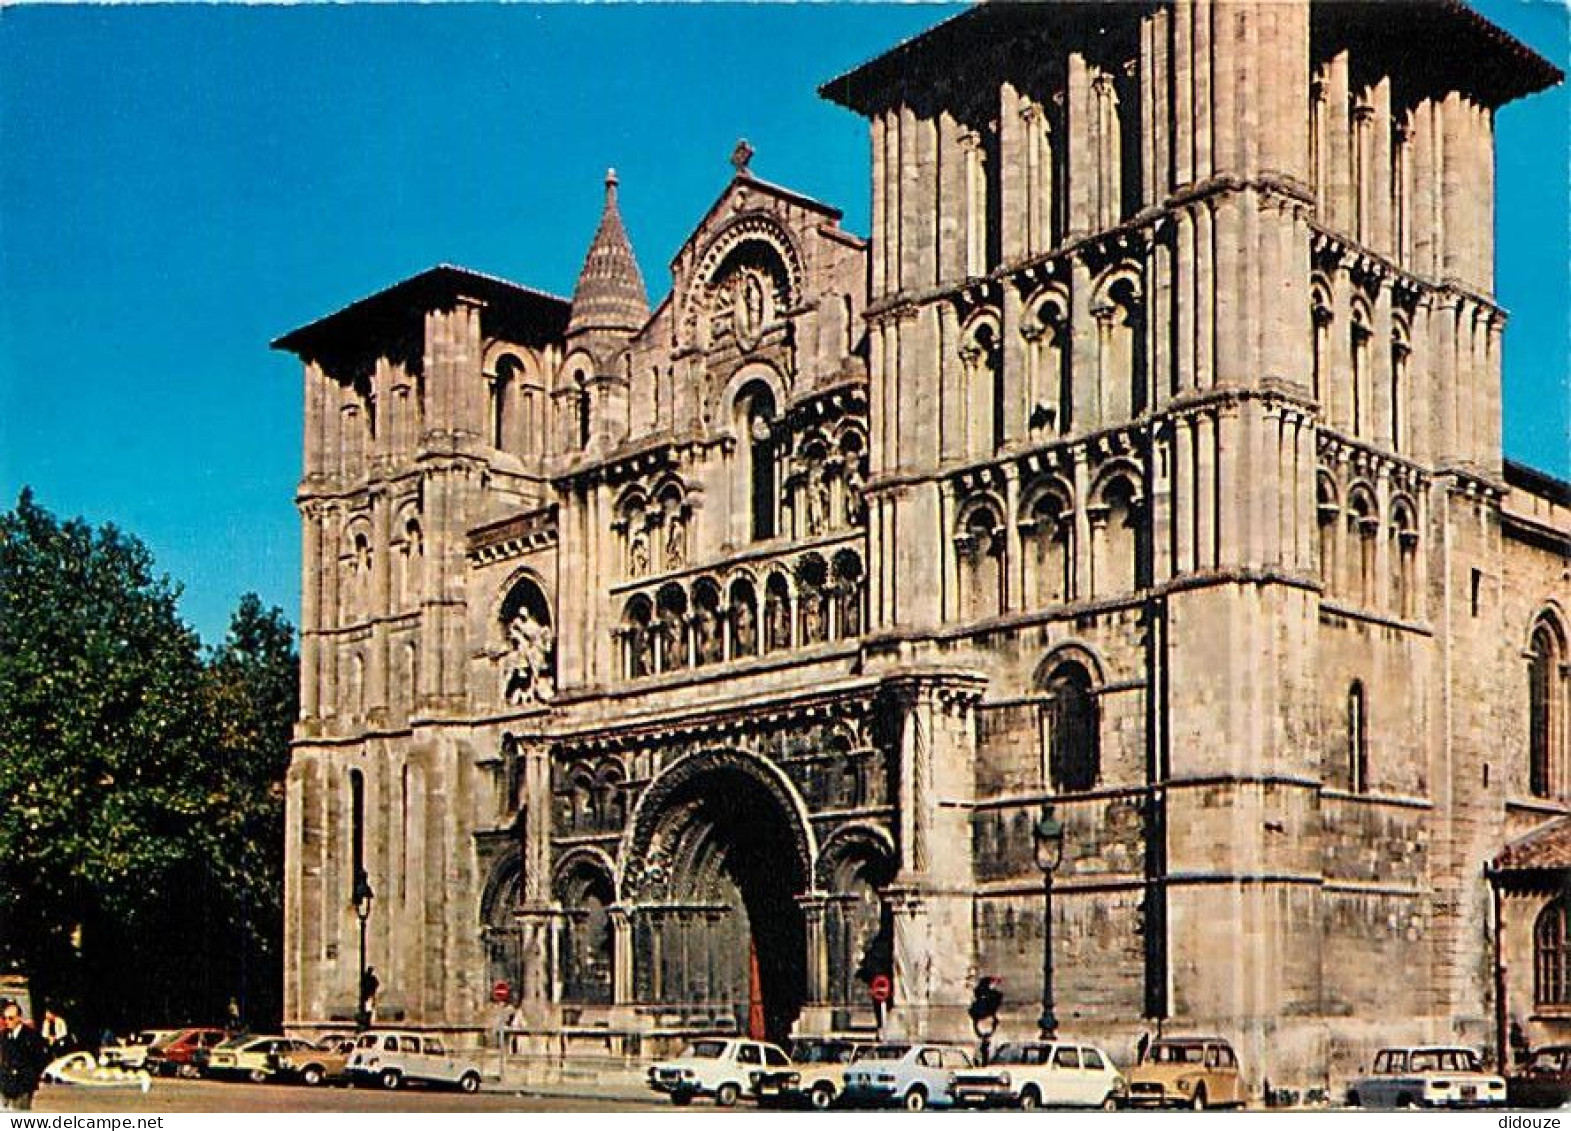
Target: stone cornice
509, 538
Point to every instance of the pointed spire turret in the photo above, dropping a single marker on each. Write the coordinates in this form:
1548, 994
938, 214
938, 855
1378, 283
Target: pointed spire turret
610, 293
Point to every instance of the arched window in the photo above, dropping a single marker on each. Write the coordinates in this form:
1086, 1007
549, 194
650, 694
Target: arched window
980, 360
1545, 706
588, 949
1360, 335
980, 548
1320, 340
755, 406
1049, 392
410, 562
1120, 317
1047, 535
1326, 511
1552, 955
1118, 565
1365, 524
1404, 561
1400, 351
1357, 739
503, 390
1073, 718
581, 409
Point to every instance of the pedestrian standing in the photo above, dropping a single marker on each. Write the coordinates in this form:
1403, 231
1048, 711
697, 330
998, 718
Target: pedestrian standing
55, 1032
22, 1060
369, 985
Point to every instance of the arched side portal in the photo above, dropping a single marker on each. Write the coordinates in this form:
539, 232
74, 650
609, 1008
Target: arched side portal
716, 856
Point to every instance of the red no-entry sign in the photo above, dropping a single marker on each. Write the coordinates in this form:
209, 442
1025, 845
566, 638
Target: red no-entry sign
880, 988
501, 992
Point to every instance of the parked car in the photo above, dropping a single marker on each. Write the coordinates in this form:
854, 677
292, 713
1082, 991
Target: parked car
1192, 1072
914, 1076
132, 1052
177, 1057
816, 1075
1545, 1081
1033, 1074
393, 1058
251, 1056
1428, 1076
719, 1067
323, 1063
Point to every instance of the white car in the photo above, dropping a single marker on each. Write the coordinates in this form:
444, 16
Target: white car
1033, 1074
1428, 1076
393, 1058
914, 1076
719, 1067
82, 1069
132, 1052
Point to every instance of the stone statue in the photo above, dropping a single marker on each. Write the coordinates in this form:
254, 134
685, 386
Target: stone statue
530, 672
744, 627
777, 610
675, 542
819, 504
813, 617
855, 482
706, 631
638, 556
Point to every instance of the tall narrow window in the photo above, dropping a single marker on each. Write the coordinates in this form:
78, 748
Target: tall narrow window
356, 830
1360, 334
1544, 716
1552, 955
582, 407
1357, 740
756, 419
1398, 386
1074, 734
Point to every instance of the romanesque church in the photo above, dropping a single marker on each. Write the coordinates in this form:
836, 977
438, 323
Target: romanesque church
680, 669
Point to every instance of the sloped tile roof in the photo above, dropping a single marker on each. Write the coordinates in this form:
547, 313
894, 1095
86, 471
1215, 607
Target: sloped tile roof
1544, 849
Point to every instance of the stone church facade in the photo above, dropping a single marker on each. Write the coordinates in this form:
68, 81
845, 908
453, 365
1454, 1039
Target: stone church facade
677, 670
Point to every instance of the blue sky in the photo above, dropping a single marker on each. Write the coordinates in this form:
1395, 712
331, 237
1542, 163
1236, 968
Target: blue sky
179, 185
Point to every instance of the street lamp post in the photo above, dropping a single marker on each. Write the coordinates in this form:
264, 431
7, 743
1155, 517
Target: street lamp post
1048, 837
363, 896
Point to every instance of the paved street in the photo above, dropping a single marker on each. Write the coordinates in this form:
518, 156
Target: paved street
205, 1096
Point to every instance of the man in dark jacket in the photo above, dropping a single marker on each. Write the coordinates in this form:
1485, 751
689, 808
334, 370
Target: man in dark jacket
22, 1060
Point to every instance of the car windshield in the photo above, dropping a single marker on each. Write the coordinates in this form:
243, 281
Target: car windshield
1162, 1053
1019, 1054
883, 1052
1546, 1060
235, 1042
368, 1041
704, 1050
1444, 1060
821, 1052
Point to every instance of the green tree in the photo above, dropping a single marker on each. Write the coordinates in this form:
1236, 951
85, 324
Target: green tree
102, 733
140, 789
252, 689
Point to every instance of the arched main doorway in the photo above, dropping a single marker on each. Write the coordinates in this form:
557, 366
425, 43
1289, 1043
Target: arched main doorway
717, 858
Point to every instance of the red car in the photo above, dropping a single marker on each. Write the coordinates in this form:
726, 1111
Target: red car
176, 1058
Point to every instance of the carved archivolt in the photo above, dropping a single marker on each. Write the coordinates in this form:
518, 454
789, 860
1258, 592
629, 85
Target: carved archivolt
748, 276
643, 873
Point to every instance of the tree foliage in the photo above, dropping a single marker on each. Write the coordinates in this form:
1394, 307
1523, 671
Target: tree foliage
140, 785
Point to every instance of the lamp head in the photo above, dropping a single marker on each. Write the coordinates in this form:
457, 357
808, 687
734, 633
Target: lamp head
1048, 837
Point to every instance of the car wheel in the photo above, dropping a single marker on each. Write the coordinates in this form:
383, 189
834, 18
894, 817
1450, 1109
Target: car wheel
1353, 1100
311, 1076
256, 1076
1110, 1102
822, 1097
1197, 1102
390, 1079
916, 1099
681, 1099
469, 1082
727, 1095
1404, 1101
1030, 1099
